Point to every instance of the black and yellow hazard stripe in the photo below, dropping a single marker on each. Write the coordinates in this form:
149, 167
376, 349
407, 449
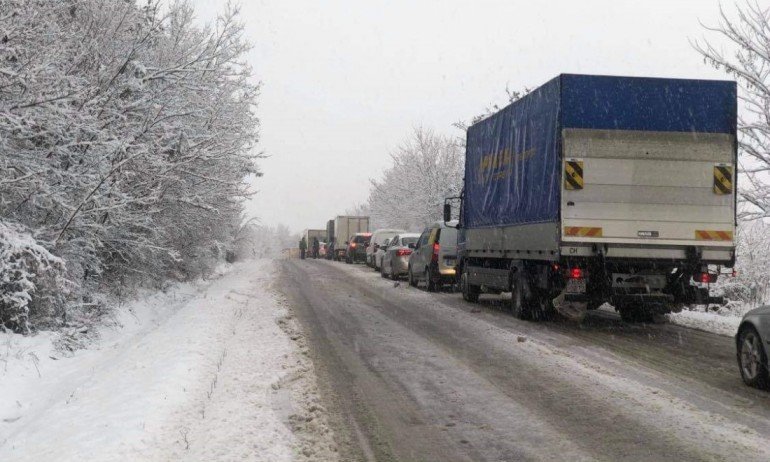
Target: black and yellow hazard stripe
723, 179
573, 174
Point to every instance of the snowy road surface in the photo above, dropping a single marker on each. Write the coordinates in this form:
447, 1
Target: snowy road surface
416, 376
212, 371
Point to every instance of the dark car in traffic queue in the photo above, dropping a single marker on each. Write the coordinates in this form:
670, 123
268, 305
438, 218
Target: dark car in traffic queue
356, 247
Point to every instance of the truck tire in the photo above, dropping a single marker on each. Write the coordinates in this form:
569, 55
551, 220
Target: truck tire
634, 313
470, 292
519, 306
412, 280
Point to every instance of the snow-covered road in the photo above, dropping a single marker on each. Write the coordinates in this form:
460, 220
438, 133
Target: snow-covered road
418, 376
208, 371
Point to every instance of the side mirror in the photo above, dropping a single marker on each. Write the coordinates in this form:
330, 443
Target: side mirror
447, 212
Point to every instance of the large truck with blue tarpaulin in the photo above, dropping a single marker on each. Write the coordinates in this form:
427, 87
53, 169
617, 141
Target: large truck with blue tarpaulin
594, 189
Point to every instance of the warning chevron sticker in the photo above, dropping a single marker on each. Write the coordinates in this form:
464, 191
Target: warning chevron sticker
723, 179
573, 174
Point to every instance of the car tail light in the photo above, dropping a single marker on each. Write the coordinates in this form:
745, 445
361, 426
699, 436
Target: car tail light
352, 245
575, 273
706, 278
436, 248
403, 252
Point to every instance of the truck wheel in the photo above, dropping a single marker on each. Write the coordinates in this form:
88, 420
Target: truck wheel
633, 313
752, 359
542, 308
470, 292
519, 305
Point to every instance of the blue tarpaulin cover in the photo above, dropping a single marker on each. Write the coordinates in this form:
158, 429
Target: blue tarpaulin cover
513, 158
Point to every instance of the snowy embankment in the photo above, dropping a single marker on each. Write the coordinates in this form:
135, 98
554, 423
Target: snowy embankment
707, 321
212, 370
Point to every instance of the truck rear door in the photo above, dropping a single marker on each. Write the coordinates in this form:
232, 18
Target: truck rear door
633, 187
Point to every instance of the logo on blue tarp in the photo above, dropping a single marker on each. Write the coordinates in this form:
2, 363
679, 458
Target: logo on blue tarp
497, 165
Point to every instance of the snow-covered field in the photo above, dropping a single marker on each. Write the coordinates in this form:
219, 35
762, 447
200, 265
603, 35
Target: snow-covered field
213, 370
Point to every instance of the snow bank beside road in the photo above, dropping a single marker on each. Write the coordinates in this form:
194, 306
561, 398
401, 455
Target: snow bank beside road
707, 321
201, 373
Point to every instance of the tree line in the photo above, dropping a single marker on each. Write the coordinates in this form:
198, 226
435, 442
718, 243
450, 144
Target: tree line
126, 136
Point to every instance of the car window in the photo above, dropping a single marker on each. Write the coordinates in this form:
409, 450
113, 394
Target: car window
448, 237
408, 240
423, 238
434, 235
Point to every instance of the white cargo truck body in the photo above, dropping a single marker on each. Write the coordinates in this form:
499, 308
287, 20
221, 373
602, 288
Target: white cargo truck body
346, 226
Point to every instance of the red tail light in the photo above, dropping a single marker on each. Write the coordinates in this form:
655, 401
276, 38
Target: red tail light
706, 278
575, 273
352, 245
436, 248
403, 252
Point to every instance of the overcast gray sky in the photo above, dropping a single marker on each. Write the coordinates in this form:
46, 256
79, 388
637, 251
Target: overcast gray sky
346, 81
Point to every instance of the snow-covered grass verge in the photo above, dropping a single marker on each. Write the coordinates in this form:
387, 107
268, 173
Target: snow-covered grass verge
212, 370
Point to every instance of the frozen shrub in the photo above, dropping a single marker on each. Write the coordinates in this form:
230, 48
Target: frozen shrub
32, 282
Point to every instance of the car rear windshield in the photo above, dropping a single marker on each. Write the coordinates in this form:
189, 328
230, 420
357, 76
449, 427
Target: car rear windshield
361, 239
409, 240
448, 236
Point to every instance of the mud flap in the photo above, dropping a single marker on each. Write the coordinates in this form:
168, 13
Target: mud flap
573, 311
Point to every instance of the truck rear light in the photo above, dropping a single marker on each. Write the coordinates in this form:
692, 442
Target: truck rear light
436, 248
403, 252
575, 273
706, 278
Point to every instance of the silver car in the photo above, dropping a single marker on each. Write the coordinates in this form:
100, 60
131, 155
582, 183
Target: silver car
378, 239
753, 334
395, 258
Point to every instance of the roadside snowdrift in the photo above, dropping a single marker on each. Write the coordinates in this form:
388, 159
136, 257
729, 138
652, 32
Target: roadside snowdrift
207, 371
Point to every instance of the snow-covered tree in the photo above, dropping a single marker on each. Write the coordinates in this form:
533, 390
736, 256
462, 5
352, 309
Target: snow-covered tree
747, 59
426, 168
126, 133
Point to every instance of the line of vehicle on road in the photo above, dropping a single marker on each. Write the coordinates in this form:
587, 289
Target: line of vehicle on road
588, 190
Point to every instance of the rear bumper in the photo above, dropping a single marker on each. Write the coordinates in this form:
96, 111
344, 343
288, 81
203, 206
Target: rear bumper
707, 254
400, 265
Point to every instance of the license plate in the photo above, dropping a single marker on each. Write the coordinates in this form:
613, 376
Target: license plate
576, 286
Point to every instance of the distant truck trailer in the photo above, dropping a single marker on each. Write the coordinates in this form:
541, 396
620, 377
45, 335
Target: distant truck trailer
346, 226
309, 234
594, 189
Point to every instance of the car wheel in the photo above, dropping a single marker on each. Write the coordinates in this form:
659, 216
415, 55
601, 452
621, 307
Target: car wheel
412, 280
393, 273
382, 272
752, 359
430, 284
470, 292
